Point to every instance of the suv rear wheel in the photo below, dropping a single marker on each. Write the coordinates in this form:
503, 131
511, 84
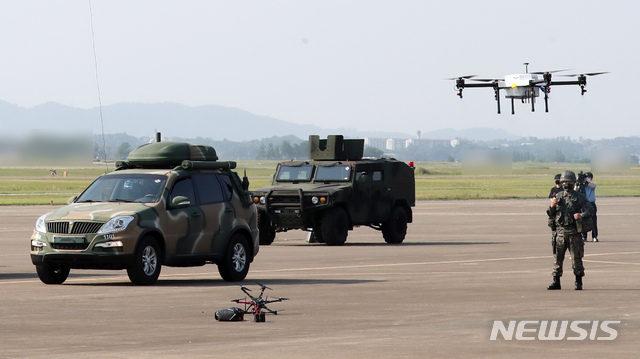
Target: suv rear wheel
235, 264
395, 228
335, 226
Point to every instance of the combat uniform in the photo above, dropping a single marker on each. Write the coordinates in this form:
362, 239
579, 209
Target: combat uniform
562, 218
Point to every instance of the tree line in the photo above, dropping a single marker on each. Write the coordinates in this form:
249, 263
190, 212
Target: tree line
531, 149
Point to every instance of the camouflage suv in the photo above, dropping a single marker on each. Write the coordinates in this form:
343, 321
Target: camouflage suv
335, 191
169, 204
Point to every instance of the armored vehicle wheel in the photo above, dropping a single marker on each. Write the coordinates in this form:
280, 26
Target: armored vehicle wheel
267, 232
52, 274
147, 263
334, 227
395, 228
235, 265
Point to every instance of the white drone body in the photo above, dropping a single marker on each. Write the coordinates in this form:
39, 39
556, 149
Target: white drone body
518, 86
525, 87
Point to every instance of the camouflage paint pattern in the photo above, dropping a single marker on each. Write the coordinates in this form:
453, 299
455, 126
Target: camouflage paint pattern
193, 230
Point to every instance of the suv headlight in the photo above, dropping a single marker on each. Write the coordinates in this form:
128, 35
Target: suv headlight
116, 224
40, 225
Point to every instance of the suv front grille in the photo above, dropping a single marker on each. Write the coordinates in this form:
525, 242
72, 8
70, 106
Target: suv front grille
74, 227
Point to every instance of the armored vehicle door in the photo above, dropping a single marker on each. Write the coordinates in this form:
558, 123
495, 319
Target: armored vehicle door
371, 201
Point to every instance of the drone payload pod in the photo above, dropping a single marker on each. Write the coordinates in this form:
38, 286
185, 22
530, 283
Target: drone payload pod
525, 87
233, 314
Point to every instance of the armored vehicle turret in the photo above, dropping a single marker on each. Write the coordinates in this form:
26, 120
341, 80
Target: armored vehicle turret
336, 190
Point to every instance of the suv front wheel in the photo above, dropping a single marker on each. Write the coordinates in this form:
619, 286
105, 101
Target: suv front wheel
147, 263
51, 273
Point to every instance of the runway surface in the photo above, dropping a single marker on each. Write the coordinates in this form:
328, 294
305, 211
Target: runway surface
463, 266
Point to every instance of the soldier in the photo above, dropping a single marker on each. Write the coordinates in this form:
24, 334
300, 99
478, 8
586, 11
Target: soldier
567, 208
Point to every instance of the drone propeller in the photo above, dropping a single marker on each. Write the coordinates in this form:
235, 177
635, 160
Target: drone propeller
487, 80
586, 74
263, 286
548, 72
277, 299
461, 77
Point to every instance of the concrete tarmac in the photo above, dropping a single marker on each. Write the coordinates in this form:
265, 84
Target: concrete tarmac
464, 268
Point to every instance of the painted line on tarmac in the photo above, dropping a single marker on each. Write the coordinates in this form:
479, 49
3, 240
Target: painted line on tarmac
611, 262
468, 261
387, 265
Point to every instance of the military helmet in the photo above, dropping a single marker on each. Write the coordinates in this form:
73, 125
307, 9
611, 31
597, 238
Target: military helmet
568, 176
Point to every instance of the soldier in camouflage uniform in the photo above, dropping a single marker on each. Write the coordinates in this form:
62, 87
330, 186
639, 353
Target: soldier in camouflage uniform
567, 208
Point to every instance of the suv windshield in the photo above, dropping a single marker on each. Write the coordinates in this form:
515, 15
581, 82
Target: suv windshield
125, 188
294, 173
333, 173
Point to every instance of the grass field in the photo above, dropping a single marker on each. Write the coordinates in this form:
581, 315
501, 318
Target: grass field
434, 180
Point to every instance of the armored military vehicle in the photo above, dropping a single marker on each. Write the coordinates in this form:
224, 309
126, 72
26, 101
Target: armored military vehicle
170, 203
336, 190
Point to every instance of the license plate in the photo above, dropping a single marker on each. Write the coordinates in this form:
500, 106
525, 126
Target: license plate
68, 240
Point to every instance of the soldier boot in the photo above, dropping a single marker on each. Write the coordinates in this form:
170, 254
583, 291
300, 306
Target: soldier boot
578, 282
555, 285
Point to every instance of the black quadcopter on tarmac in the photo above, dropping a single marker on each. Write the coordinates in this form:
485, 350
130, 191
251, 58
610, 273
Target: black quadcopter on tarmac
525, 87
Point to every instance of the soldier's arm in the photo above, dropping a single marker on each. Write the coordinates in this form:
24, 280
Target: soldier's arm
551, 211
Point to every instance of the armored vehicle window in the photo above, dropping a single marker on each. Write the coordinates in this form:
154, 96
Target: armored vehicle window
333, 173
377, 175
208, 188
294, 173
126, 188
183, 187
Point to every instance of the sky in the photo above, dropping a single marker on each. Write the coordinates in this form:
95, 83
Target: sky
371, 65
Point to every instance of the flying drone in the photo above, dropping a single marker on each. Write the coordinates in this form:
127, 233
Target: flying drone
525, 87
254, 305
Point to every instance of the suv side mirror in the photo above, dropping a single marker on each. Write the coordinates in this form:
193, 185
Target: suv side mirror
180, 202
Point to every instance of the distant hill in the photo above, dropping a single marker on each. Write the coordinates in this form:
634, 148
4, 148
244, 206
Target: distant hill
176, 120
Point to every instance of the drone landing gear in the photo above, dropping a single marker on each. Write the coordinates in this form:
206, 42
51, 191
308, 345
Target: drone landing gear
259, 318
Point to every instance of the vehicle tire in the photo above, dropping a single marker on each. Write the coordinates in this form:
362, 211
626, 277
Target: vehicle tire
267, 234
395, 228
51, 273
235, 265
335, 226
147, 262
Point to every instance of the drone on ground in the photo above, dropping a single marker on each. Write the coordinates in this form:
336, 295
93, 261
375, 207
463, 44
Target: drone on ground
254, 305
525, 87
